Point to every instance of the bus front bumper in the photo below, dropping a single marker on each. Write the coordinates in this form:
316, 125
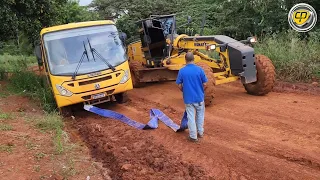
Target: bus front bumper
94, 95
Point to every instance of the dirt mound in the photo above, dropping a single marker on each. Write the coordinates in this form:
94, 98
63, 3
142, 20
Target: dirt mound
132, 154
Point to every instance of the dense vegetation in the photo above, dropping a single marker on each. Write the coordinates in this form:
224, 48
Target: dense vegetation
21, 21
295, 55
236, 18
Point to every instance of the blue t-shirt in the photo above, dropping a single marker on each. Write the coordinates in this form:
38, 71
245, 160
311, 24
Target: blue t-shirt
192, 78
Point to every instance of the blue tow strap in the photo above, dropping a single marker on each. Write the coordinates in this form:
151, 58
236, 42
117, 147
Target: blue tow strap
155, 115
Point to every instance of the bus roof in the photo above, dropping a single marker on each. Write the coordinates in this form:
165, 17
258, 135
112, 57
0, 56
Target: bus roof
75, 25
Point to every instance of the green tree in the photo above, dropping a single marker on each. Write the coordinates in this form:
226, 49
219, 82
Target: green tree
22, 20
128, 12
73, 12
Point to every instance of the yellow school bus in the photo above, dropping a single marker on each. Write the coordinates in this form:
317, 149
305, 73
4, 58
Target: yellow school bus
84, 62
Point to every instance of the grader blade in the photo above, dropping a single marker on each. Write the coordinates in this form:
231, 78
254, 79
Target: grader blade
157, 74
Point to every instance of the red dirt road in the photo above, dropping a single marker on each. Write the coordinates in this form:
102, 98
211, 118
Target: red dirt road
246, 137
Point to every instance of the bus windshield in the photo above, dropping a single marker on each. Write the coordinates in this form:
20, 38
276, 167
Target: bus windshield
65, 48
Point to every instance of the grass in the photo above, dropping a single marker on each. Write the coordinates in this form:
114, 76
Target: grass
36, 168
25, 82
295, 60
58, 142
69, 169
14, 63
34, 86
6, 148
39, 156
53, 122
5, 127
30, 146
3, 94
50, 122
10, 63
5, 116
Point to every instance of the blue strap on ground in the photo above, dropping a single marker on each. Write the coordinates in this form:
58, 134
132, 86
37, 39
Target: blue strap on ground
155, 115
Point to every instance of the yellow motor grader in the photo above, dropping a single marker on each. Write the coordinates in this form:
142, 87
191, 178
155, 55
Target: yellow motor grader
160, 53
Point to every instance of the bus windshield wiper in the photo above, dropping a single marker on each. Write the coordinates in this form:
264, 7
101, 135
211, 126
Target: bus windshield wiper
85, 52
99, 56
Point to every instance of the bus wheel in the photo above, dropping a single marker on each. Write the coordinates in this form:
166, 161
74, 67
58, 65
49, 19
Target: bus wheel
65, 111
121, 97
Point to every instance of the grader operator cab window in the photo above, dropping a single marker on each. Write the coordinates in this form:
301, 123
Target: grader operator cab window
153, 35
153, 39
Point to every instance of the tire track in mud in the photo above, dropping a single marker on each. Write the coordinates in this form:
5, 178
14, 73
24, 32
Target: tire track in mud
132, 154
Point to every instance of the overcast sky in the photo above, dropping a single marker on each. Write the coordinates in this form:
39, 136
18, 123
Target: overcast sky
85, 2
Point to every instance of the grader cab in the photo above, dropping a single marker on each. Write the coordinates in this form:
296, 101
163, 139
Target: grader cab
160, 53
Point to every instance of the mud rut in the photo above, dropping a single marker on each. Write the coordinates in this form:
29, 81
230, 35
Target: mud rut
246, 137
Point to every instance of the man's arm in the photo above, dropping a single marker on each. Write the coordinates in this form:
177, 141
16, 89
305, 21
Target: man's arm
179, 81
204, 85
204, 79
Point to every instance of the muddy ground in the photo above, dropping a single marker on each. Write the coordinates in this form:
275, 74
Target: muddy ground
28, 153
246, 137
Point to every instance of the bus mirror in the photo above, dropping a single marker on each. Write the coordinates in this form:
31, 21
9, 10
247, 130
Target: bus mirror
37, 52
123, 36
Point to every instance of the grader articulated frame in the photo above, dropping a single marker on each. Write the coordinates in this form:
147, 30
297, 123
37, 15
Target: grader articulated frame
159, 55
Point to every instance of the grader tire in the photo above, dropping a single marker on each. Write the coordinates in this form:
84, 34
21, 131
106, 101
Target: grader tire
134, 69
209, 91
265, 77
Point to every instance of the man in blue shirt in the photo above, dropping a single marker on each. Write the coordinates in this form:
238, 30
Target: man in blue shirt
192, 81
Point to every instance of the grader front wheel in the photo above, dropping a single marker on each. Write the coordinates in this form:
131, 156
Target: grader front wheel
265, 77
209, 91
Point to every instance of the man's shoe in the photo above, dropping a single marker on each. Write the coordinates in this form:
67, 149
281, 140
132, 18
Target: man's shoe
193, 140
200, 135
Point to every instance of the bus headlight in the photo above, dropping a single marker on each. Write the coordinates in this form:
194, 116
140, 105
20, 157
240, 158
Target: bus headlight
63, 91
125, 77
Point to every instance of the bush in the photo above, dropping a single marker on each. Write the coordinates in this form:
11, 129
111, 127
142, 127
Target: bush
24, 47
294, 59
2, 73
13, 63
25, 82
34, 86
